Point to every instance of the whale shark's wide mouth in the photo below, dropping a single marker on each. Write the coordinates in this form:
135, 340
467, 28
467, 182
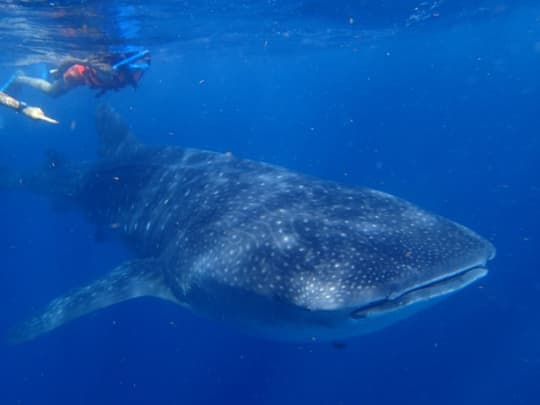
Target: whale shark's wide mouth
421, 292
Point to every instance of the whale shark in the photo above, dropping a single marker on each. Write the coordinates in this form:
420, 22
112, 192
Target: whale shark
270, 251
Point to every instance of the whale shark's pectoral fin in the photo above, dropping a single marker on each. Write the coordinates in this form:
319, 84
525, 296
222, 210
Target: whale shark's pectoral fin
130, 280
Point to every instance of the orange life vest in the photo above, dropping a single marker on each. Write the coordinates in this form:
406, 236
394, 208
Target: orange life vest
79, 75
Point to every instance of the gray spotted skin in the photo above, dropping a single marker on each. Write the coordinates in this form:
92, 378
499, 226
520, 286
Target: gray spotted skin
266, 230
281, 253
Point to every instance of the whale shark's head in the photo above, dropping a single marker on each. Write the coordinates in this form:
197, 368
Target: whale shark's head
367, 262
425, 257
379, 294
401, 262
427, 281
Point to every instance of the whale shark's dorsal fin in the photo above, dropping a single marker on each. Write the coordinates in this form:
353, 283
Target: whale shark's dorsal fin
130, 280
114, 135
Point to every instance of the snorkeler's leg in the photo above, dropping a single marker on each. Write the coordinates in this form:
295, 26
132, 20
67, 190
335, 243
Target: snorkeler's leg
34, 82
54, 89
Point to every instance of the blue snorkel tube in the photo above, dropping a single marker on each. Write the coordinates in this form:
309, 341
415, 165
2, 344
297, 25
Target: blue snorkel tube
133, 58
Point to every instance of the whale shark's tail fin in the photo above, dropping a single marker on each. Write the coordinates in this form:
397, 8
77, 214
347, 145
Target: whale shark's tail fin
130, 280
114, 134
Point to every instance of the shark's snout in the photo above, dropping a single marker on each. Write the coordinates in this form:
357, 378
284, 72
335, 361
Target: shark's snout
434, 285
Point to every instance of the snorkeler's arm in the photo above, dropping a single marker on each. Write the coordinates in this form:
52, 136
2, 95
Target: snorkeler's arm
35, 113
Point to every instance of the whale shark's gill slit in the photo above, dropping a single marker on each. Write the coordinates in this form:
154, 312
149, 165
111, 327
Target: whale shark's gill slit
130, 280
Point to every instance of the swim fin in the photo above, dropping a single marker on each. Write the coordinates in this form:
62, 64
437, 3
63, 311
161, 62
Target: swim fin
8, 82
37, 113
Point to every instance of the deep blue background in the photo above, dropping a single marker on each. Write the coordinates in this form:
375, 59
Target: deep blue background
447, 118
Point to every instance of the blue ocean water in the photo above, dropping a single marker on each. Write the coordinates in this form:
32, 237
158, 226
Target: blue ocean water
436, 102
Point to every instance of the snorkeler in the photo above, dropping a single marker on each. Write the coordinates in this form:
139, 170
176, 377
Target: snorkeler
101, 72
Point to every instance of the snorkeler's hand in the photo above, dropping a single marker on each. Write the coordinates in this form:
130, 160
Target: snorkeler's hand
37, 113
